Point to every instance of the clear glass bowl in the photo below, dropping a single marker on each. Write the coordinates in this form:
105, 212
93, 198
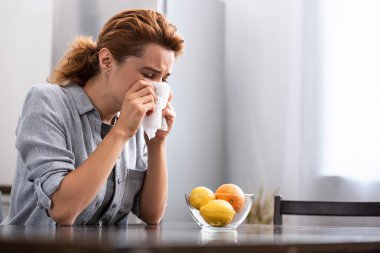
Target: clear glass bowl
236, 221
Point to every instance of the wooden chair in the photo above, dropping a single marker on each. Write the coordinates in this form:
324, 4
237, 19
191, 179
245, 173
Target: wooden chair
1, 207
323, 208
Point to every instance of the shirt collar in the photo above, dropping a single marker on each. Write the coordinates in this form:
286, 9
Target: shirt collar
82, 101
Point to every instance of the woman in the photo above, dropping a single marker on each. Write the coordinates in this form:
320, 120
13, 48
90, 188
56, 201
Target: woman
82, 155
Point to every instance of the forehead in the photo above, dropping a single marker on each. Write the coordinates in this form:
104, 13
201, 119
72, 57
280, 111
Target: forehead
155, 56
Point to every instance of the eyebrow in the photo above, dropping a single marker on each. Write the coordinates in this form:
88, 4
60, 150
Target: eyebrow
155, 70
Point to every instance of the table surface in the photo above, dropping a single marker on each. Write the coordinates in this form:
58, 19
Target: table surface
188, 237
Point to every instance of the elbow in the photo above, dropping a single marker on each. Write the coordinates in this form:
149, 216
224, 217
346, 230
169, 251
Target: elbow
62, 219
153, 221
65, 222
152, 218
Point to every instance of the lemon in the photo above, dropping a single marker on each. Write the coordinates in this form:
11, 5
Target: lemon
217, 213
200, 196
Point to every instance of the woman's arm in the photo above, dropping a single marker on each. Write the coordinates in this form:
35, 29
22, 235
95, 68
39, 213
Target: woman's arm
81, 186
155, 190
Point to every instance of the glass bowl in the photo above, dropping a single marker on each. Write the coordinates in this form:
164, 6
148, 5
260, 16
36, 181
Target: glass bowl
238, 218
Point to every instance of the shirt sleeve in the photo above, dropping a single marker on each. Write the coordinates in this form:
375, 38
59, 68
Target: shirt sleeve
41, 143
141, 167
138, 178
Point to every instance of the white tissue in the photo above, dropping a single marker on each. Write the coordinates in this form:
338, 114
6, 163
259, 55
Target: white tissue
155, 121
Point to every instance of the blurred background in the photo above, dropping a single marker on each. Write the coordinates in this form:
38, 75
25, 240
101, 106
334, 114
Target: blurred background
278, 95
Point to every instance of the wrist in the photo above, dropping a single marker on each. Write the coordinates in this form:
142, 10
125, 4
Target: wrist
156, 143
122, 134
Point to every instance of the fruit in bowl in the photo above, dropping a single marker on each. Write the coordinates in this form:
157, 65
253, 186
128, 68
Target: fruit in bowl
217, 213
225, 209
231, 193
200, 196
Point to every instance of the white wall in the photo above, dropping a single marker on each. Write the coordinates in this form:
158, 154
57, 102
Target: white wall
86, 17
263, 69
25, 49
196, 148
274, 81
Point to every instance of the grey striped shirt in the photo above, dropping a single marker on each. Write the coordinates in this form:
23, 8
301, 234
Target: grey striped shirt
58, 129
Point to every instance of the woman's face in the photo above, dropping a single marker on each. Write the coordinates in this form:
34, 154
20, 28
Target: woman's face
154, 66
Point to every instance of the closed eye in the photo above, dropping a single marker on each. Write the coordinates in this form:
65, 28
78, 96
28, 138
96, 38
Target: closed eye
148, 75
151, 76
165, 78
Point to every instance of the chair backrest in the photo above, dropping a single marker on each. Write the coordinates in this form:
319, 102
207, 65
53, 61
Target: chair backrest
322, 208
1, 208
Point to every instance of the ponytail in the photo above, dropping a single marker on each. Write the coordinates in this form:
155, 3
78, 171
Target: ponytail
78, 65
125, 34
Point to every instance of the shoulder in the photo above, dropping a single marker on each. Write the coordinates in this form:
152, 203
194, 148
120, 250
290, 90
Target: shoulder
46, 91
46, 96
45, 103
40, 110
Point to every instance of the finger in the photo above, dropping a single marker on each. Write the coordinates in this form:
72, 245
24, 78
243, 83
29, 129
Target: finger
139, 85
170, 96
146, 99
161, 134
149, 108
169, 114
169, 106
147, 90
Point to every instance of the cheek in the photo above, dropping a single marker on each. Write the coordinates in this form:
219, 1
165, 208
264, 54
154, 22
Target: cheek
121, 82
121, 91
118, 88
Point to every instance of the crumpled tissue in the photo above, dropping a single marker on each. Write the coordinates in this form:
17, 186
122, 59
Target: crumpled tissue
156, 121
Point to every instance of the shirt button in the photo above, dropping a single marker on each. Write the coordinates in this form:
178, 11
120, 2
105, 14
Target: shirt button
114, 206
97, 203
119, 180
37, 182
40, 205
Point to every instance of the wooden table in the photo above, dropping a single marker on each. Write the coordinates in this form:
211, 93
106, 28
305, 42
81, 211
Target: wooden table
188, 237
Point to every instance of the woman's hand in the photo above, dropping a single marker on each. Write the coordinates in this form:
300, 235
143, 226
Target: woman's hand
169, 115
139, 100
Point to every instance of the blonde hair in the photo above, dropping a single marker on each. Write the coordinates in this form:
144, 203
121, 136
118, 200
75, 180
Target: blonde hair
125, 34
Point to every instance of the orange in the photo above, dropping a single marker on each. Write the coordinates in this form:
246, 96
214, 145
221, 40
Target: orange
231, 193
